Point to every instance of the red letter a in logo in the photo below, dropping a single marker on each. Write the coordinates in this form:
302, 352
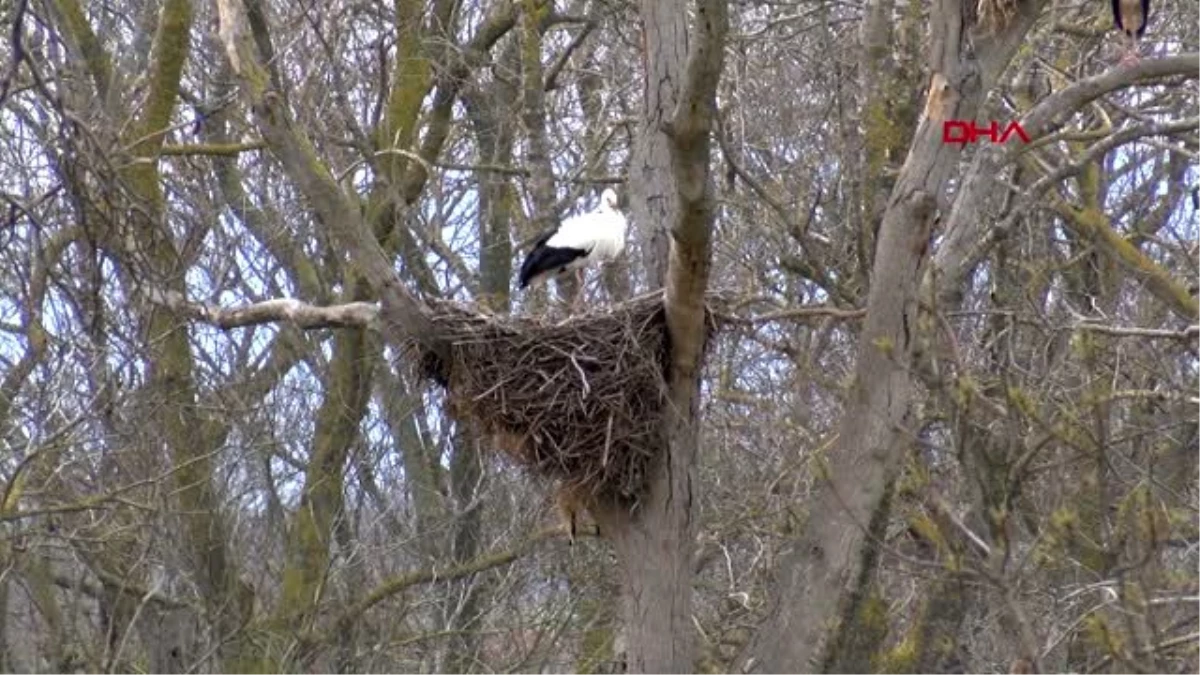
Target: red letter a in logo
1014, 128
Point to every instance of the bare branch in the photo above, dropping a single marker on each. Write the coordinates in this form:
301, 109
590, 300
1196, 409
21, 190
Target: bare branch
123, 586
212, 149
279, 310
1038, 120
968, 237
16, 47
403, 582
797, 313
561, 62
1153, 333
404, 314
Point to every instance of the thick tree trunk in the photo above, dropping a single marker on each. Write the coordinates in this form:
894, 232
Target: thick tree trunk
655, 541
823, 579
651, 184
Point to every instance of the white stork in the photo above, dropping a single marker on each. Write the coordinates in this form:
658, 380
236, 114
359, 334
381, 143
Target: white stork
579, 241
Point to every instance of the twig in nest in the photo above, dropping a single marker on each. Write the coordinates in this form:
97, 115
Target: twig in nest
607, 441
578, 401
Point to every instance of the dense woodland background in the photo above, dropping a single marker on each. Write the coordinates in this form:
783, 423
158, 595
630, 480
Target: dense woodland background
174, 496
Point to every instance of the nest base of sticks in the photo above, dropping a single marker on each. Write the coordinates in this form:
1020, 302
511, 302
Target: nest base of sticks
577, 400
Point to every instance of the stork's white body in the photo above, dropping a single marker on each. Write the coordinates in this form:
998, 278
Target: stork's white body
579, 241
602, 234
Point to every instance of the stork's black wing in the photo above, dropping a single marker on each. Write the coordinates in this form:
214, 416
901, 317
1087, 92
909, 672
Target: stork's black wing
543, 259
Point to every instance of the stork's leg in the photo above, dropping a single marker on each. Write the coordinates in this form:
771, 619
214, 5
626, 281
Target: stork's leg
578, 303
1130, 54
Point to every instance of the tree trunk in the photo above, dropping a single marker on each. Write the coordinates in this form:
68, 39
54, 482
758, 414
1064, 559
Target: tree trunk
655, 541
651, 184
462, 605
822, 581
311, 533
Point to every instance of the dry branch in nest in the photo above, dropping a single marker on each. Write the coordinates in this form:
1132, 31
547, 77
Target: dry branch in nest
578, 400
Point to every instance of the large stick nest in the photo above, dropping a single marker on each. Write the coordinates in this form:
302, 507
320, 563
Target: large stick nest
578, 400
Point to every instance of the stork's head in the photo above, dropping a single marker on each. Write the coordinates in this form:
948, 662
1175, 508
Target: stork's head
608, 200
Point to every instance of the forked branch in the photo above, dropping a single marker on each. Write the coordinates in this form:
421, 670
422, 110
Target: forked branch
401, 311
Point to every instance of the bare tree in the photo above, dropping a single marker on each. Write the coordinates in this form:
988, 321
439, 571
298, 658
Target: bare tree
828, 576
655, 544
927, 406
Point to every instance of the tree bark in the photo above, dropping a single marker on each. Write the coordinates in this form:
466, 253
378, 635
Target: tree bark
311, 532
147, 247
651, 183
822, 580
655, 541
